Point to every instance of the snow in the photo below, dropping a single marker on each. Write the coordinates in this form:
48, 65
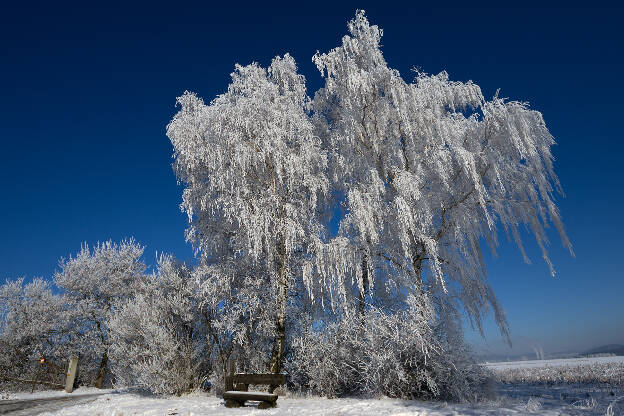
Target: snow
133, 404
576, 399
513, 401
563, 362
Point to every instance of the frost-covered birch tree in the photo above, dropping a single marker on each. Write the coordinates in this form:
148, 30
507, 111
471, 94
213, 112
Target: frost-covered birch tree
95, 282
429, 170
253, 171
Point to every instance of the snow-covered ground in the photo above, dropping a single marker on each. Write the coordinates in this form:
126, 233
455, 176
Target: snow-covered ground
127, 404
525, 401
521, 398
565, 362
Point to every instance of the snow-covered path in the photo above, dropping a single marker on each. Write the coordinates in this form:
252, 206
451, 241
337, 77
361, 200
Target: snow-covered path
30, 407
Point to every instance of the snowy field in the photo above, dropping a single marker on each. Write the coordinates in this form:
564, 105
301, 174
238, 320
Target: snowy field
604, 371
566, 362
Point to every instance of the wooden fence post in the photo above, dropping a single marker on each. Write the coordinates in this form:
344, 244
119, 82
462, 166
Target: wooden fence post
71, 374
229, 385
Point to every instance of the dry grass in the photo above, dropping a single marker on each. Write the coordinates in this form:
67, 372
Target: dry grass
602, 373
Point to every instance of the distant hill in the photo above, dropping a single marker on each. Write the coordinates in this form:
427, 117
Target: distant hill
616, 349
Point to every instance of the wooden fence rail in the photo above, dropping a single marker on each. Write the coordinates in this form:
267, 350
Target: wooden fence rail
21, 380
70, 376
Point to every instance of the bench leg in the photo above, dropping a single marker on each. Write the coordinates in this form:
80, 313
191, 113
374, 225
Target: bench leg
233, 403
266, 405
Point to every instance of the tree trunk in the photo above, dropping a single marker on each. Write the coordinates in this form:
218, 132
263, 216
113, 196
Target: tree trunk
279, 342
102, 372
418, 256
363, 291
278, 345
104, 363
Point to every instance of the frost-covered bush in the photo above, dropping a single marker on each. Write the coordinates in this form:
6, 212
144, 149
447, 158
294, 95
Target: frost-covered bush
396, 355
31, 326
454, 367
94, 283
159, 339
237, 304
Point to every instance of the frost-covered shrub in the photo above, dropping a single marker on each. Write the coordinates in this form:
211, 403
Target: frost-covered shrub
395, 355
149, 351
459, 376
94, 283
31, 326
235, 303
159, 340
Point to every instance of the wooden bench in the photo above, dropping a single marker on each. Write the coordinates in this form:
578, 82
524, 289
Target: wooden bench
237, 386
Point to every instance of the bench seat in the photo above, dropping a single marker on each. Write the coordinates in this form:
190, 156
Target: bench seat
237, 388
250, 395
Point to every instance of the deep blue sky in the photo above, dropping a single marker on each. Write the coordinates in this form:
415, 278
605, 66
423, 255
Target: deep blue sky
87, 92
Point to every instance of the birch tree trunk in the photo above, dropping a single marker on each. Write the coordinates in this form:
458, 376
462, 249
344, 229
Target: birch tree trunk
102, 371
279, 342
363, 291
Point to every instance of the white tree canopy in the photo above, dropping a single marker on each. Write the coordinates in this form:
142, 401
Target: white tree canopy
251, 162
429, 169
254, 171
